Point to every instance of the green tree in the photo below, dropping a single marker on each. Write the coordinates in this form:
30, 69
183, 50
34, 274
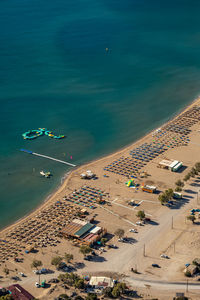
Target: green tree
103, 240
84, 249
191, 218
108, 292
188, 273
166, 196
119, 232
122, 286
178, 189
56, 261
69, 278
79, 284
187, 177
169, 193
179, 183
116, 292
6, 297
197, 166
69, 257
163, 198
36, 263
193, 172
91, 296
141, 214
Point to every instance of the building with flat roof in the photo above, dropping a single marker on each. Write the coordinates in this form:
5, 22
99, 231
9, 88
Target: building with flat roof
101, 282
173, 165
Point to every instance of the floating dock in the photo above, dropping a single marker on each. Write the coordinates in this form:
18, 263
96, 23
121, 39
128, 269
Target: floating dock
48, 157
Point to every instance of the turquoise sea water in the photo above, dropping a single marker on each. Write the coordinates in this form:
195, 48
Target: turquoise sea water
56, 73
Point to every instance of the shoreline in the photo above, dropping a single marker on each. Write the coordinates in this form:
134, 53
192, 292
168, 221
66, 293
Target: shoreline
66, 178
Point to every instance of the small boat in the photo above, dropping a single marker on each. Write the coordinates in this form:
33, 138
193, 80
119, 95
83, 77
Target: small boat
45, 174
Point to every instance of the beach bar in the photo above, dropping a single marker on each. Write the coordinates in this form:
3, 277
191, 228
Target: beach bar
83, 232
173, 165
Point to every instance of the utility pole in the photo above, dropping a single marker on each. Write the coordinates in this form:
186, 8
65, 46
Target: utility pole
144, 251
172, 224
174, 247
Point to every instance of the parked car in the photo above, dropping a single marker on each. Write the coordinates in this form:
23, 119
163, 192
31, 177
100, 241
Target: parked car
88, 257
155, 266
44, 271
93, 253
112, 246
133, 230
164, 256
16, 278
170, 202
37, 285
62, 266
121, 240
102, 249
147, 220
22, 274
139, 223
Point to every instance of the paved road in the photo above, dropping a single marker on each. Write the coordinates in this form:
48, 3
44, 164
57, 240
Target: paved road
164, 285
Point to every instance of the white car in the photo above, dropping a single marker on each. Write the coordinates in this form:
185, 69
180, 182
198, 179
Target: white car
164, 256
37, 285
133, 230
139, 223
22, 274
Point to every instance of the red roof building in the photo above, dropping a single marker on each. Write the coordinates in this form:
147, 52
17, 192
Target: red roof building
19, 293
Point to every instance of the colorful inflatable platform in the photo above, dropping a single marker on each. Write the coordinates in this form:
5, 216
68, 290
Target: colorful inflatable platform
33, 134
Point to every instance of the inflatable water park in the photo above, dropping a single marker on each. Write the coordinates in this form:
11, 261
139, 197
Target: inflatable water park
33, 134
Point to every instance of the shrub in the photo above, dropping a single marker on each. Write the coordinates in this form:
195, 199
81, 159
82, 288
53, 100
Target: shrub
179, 183
116, 292
84, 249
187, 177
91, 296
197, 166
141, 214
36, 263
119, 232
103, 240
178, 189
79, 284
69, 257
191, 218
56, 261
188, 274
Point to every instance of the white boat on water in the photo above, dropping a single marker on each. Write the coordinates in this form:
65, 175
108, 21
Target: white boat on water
45, 174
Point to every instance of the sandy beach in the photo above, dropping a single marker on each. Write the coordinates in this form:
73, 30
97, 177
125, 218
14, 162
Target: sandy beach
65, 184
176, 140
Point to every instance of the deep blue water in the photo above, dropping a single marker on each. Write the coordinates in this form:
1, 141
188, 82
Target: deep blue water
56, 73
